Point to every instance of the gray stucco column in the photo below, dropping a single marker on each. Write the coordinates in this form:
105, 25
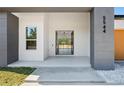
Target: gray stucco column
102, 38
8, 38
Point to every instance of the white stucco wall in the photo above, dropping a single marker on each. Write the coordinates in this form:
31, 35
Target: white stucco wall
119, 24
46, 36
47, 24
30, 19
79, 23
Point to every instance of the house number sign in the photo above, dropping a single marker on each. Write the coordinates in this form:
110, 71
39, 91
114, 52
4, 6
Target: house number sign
104, 24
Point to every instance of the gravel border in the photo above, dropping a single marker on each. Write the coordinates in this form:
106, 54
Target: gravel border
113, 76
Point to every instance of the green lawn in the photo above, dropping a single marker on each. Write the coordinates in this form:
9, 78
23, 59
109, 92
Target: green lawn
14, 76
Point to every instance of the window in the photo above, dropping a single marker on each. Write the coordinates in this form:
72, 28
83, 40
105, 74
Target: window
31, 36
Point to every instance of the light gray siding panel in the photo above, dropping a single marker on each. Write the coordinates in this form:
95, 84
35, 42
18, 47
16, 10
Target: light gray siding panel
102, 43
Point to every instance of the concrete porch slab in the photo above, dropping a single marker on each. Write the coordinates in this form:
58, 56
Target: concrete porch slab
56, 61
64, 75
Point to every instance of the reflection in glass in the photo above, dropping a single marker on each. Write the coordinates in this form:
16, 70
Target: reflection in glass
31, 44
31, 32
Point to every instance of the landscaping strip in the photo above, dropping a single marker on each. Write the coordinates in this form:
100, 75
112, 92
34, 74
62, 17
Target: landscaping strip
14, 76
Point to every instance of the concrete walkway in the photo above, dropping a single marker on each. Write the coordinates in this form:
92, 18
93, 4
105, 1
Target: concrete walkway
63, 75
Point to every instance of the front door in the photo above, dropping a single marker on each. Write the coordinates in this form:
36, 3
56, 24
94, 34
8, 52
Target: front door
64, 42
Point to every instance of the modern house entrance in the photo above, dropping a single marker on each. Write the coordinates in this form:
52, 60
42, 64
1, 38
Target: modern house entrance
90, 30
47, 40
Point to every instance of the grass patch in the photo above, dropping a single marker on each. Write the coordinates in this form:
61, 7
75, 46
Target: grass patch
14, 76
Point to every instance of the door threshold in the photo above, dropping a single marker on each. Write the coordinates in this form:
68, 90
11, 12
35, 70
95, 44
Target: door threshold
65, 55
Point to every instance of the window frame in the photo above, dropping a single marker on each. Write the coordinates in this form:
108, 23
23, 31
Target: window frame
32, 39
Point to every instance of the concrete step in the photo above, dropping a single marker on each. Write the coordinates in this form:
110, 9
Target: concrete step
51, 75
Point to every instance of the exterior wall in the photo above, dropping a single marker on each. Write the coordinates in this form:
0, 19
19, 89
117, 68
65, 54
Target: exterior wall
12, 38
119, 44
8, 38
30, 19
3, 39
79, 22
103, 43
119, 39
119, 24
46, 36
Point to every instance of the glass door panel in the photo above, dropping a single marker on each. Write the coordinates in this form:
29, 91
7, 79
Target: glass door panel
64, 43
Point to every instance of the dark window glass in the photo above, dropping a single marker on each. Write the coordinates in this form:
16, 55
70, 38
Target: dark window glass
31, 44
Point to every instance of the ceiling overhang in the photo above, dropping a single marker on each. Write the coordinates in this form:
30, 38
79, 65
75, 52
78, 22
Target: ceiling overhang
45, 9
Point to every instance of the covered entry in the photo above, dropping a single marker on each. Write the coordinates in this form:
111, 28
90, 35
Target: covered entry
98, 23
